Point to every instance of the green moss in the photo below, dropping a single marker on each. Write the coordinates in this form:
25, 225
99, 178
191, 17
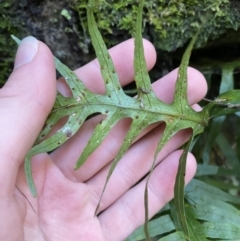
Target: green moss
170, 24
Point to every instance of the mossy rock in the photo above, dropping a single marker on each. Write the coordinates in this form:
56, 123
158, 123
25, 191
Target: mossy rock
62, 26
169, 24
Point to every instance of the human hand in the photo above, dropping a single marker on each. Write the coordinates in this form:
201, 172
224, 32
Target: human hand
66, 201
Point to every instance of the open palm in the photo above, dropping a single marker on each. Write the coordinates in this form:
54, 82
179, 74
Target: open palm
66, 201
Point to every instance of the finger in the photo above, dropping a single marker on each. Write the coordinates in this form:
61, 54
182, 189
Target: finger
91, 76
25, 101
128, 211
67, 155
196, 89
122, 56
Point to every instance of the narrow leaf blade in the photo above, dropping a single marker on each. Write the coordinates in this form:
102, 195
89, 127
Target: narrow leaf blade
179, 191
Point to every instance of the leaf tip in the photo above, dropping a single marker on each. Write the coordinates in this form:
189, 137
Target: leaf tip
77, 166
27, 167
17, 40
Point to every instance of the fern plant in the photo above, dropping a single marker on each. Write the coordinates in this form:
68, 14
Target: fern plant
144, 110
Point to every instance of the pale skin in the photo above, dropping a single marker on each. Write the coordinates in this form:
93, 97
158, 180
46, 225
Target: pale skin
66, 199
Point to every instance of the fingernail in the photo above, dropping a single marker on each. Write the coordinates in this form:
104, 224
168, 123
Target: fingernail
26, 51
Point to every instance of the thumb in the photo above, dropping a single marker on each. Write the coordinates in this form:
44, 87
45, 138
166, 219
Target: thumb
25, 102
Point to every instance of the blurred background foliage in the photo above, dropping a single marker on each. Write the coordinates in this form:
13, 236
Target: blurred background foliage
7, 47
169, 24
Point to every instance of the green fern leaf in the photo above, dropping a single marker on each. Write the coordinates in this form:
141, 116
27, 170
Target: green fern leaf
115, 105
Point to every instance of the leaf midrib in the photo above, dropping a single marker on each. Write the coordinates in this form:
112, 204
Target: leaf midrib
137, 109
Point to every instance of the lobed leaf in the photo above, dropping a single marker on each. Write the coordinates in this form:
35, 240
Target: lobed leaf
144, 110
